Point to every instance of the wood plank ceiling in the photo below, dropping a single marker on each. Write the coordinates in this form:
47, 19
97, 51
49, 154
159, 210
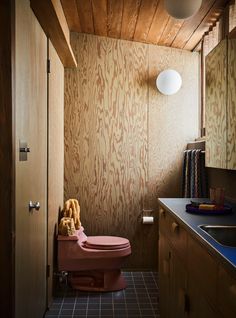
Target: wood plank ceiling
141, 20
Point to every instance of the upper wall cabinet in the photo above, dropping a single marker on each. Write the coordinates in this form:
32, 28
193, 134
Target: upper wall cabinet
221, 106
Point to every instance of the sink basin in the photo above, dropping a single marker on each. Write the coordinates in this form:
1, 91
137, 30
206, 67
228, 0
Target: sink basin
223, 234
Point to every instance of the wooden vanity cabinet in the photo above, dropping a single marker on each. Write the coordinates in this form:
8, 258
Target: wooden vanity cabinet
192, 282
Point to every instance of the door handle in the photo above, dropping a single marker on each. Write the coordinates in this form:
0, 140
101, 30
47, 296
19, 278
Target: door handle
35, 206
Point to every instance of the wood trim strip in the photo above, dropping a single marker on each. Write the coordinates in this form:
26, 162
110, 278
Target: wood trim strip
51, 17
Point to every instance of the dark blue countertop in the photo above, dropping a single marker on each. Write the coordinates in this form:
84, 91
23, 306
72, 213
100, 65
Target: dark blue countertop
192, 221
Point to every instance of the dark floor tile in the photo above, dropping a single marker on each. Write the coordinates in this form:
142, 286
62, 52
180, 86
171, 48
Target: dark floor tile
80, 312
66, 312
67, 306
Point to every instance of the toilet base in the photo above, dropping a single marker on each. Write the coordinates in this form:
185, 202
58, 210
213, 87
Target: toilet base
99, 280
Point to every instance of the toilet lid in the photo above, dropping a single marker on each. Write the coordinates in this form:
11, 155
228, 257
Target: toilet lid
106, 242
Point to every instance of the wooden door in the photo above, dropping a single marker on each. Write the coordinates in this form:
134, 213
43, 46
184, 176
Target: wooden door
55, 155
31, 175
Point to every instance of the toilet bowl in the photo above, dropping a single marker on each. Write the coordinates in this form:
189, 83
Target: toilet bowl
93, 262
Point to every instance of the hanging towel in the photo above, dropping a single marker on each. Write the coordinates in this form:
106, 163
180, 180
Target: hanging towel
194, 174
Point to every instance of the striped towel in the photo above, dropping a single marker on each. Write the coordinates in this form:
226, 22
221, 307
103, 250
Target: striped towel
194, 174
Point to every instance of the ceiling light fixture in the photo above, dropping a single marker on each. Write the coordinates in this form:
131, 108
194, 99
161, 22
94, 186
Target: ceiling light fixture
168, 82
182, 9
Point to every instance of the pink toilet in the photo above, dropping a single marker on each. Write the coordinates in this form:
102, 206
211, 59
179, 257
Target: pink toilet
94, 262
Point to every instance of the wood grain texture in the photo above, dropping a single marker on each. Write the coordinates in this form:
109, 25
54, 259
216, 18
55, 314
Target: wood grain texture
55, 155
31, 175
100, 16
212, 15
51, 17
114, 18
6, 162
117, 158
171, 30
216, 100
173, 120
145, 18
129, 20
86, 16
145, 21
231, 107
191, 25
159, 23
71, 13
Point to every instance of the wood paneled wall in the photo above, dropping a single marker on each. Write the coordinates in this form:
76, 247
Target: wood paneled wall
124, 141
55, 154
6, 162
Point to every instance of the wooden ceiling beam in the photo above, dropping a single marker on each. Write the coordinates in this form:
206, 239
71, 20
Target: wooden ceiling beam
71, 14
52, 19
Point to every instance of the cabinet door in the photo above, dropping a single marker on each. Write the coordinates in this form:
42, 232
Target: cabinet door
172, 282
164, 276
178, 288
31, 175
216, 104
199, 307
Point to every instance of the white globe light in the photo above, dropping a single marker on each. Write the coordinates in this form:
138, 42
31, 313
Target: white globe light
168, 82
182, 9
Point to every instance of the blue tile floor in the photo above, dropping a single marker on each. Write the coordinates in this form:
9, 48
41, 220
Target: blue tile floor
139, 299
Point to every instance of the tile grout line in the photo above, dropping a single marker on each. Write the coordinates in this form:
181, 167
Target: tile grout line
62, 303
140, 315
148, 295
74, 305
87, 306
126, 309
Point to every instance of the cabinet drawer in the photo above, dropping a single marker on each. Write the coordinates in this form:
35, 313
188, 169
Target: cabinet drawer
202, 269
226, 293
174, 232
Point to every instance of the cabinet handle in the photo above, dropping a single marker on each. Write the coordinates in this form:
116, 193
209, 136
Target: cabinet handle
162, 212
175, 227
233, 290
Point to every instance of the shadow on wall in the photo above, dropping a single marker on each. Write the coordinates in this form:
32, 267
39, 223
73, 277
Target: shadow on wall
225, 179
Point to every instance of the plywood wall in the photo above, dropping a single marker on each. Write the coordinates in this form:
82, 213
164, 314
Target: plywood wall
124, 141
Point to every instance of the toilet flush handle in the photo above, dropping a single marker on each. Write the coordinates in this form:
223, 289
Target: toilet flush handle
35, 206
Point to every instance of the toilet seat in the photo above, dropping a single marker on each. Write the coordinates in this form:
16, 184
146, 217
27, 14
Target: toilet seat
106, 243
